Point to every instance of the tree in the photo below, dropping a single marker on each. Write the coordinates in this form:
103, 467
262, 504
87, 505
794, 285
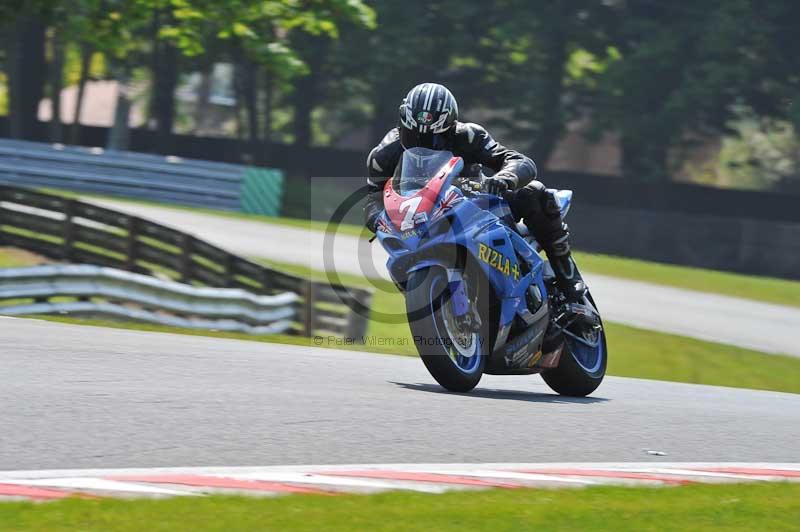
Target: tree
164, 81
261, 35
25, 65
682, 68
527, 62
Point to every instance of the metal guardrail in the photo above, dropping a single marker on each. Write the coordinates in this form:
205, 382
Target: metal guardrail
143, 176
104, 291
74, 231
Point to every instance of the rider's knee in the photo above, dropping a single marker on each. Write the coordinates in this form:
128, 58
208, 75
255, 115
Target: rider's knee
534, 199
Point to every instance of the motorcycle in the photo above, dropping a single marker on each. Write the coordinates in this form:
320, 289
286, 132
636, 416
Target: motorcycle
479, 298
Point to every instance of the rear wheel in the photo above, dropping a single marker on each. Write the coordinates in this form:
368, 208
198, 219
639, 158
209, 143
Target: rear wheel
583, 362
454, 353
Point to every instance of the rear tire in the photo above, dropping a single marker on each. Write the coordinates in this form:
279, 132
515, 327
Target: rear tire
578, 375
427, 293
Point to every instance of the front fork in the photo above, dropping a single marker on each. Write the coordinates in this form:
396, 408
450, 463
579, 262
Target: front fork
458, 292
463, 312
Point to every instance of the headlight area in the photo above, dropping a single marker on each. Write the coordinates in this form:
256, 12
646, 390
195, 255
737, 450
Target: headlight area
439, 226
394, 244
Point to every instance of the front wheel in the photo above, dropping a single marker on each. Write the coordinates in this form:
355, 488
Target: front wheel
454, 354
583, 362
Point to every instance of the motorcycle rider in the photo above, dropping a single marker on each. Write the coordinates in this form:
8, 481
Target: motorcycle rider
429, 119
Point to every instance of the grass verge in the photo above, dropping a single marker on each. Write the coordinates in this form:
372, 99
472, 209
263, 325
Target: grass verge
766, 289
698, 507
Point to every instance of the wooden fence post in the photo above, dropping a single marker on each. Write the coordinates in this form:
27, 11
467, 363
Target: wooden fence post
68, 230
310, 296
227, 264
132, 247
186, 258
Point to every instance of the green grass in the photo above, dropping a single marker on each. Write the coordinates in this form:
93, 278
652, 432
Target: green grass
16, 258
767, 289
722, 507
647, 354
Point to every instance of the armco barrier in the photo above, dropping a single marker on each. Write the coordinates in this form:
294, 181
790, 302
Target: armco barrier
78, 232
95, 290
142, 176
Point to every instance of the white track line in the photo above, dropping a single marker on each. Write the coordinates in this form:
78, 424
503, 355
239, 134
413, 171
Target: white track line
324, 480
694, 473
100, 484
510, 475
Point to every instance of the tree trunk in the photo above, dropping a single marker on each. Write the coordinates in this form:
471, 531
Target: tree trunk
385, 116
549, 101
165, 79
303, 99
26, 77
119, 136
202, 105
251, 100
268, 96
239, 93
86, 57
56, 86
306, 89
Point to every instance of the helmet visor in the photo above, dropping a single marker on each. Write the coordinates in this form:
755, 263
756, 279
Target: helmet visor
411, 138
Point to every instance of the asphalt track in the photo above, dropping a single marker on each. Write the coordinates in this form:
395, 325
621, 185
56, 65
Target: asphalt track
760, 326
83, 397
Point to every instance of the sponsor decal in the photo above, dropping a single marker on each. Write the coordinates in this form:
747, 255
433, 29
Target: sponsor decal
424, 117
383, 227
535, 358
498, 261
519, 348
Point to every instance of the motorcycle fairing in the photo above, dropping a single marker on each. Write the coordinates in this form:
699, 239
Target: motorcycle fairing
407, 211
523, 353
564, 199
481, 227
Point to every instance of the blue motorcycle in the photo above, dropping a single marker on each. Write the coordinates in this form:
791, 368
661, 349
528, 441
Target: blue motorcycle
479, 298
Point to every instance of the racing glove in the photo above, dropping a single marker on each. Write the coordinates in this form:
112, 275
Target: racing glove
496, 185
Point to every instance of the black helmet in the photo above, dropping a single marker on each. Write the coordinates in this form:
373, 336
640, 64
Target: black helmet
427, 116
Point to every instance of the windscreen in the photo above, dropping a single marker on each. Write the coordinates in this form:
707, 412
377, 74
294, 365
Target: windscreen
418, 166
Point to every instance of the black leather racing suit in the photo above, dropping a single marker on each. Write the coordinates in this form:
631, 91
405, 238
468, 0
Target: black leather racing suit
473, 143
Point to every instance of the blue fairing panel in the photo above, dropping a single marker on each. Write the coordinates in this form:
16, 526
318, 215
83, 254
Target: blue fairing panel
564, 198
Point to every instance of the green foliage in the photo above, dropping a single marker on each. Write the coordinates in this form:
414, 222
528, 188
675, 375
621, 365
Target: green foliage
763, 152
683, 69
261, 27
659, 74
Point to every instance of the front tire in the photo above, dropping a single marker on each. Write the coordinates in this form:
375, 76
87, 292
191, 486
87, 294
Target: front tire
581, 369
454, 358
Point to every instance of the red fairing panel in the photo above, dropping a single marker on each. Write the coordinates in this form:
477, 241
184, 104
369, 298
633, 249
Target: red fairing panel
403, 211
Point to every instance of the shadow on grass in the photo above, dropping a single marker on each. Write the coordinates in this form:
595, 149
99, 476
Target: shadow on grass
508, 395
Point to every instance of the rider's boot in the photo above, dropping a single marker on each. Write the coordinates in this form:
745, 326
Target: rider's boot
568, 278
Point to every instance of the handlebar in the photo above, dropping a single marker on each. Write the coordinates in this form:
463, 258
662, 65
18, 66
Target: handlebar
477, 186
